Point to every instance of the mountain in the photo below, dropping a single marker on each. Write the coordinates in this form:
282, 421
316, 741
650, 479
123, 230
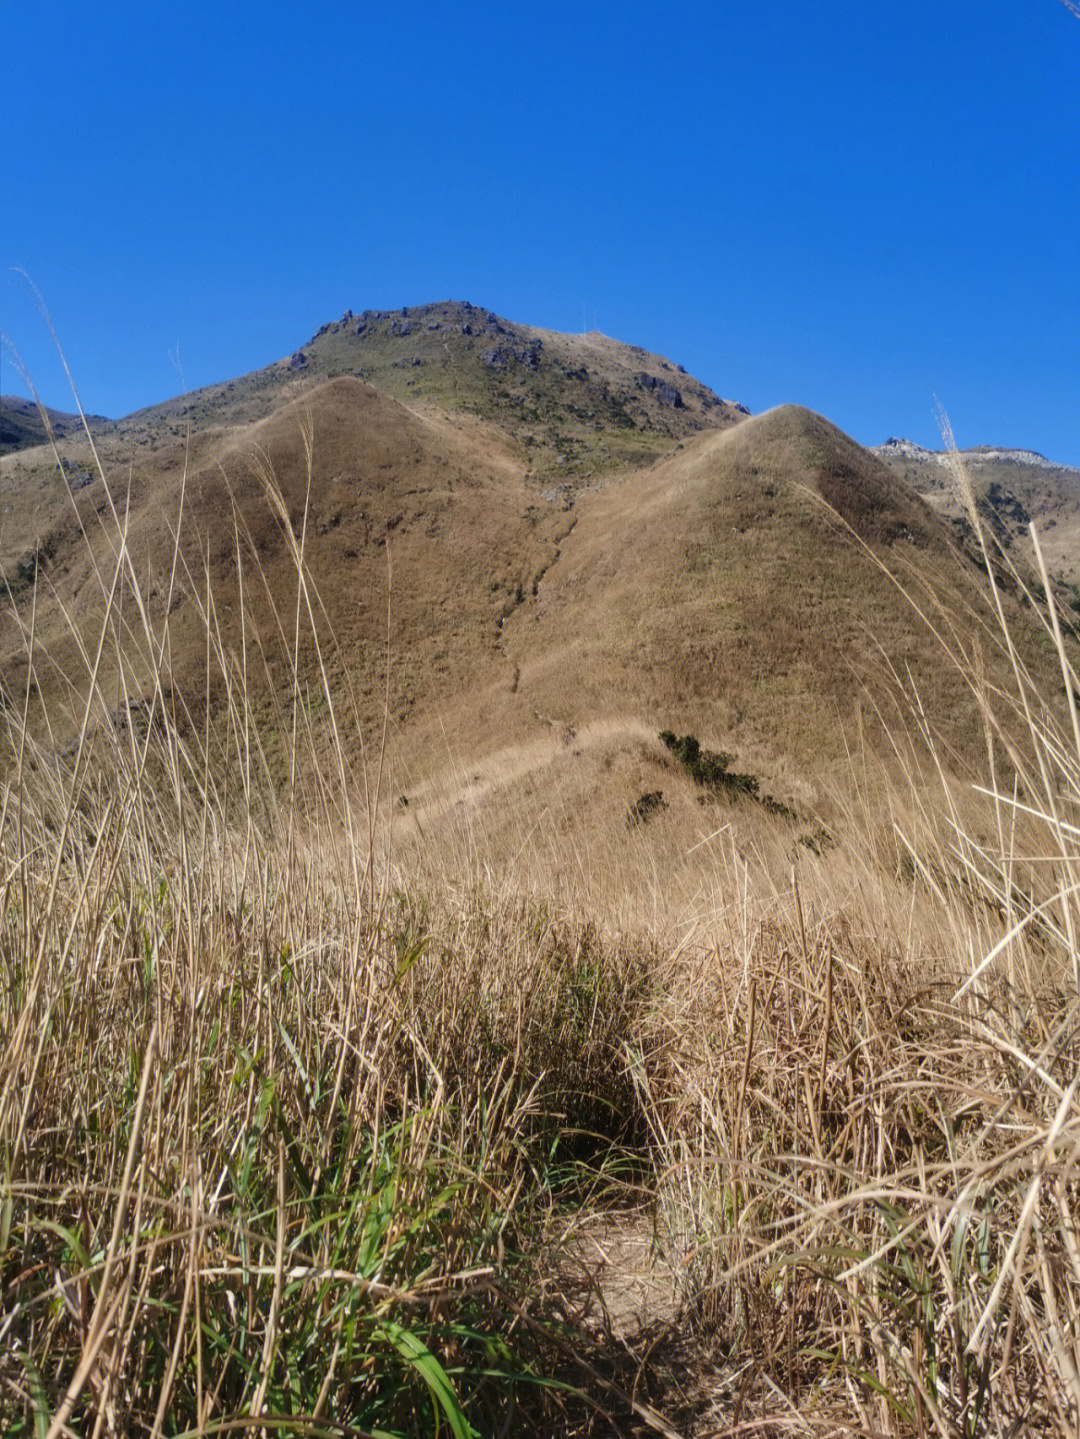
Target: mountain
446, 498
575, 405
525, 561
398, 794
1012, 489
22, 426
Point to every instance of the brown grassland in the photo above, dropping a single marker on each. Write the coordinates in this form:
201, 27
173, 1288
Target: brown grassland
360, 1060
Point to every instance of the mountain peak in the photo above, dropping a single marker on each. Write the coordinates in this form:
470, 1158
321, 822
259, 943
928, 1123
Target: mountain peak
978, 454
578, 403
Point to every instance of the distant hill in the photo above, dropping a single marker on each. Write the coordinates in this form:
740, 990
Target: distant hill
576, 405
1012, 488
712, 591
581, 546
22, 425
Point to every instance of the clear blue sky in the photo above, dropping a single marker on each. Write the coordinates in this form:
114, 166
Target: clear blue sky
853, 206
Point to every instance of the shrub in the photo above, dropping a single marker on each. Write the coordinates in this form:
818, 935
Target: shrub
643, 809
707, 767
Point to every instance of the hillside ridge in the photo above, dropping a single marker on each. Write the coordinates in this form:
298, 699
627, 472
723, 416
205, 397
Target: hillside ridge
22, 425
575, 406
676, 589
908, 449
1012, 490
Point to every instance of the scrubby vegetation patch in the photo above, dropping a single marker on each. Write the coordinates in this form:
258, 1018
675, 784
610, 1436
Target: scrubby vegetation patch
644, 808
711, 769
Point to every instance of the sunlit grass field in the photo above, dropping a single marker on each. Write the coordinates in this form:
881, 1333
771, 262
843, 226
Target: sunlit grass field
295, 1105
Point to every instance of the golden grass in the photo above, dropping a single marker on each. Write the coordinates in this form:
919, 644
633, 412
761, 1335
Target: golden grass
289, 1090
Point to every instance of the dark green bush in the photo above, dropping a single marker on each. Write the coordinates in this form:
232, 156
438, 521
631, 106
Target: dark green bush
708, 768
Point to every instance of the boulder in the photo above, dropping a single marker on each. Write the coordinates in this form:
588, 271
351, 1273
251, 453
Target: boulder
666, 393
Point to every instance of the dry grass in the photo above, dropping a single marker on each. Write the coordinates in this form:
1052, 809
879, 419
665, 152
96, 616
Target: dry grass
285, 1112
676, 597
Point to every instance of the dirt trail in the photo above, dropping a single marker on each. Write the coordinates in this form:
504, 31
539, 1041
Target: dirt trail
662, 1380
635, 1289
455, 785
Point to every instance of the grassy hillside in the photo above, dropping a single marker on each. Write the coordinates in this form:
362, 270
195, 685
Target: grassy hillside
484, 954
718, 594
696, 582
1012, 489
578, 404
575, 404
305, 1130
478, 612
383, 500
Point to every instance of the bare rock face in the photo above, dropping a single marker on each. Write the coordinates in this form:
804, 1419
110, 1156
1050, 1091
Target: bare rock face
78, 479
501, 357
666, 393
299, 361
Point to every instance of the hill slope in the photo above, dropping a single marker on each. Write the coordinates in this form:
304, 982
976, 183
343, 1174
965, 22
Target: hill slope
537, 638
22, 427
449, 503
1012, 488
574, 404
518, 626
716, 593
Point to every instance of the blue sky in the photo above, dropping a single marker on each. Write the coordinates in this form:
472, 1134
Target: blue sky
852, 206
